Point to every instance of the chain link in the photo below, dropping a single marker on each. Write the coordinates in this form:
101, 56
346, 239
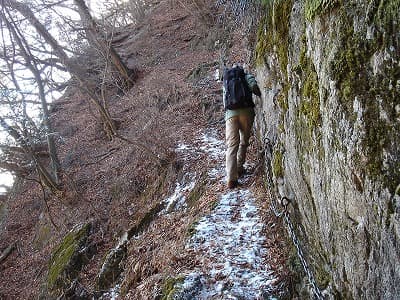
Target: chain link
317, 292
284, 202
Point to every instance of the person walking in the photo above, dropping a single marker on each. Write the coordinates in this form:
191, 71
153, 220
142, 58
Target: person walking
238, 87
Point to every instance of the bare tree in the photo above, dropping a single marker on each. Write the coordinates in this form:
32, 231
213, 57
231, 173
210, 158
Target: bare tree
97, 38
75, 70
22, 155
60, 58
120, 13
32, 65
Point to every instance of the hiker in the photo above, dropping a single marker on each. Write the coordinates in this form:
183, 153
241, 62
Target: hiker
238, 88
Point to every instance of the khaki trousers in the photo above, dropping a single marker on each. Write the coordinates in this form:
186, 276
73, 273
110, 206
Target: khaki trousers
238, 131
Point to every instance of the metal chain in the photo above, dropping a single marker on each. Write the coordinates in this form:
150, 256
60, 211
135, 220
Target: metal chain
317, 292
284, 202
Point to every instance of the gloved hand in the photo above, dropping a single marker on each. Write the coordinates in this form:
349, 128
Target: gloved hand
256, 91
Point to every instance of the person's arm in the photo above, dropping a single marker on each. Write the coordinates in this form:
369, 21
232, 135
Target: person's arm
252, 82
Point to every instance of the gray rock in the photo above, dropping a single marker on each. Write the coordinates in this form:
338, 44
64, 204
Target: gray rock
329, 109
112, 266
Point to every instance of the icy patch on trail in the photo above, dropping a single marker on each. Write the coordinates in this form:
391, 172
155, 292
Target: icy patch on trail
230, 244
208, 143
215, 149
213, 146
186, 152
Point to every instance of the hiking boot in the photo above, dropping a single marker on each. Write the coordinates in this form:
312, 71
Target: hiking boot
232, 184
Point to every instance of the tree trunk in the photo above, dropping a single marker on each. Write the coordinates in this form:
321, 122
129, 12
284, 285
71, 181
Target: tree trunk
45, 177
95, 36
31, 64
74, 70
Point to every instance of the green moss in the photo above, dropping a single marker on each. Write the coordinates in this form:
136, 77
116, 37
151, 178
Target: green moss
309, 111
170, 287
273, 37
310, 102
266, 3
65, 262
273, 32
277, 164
350, 69
323, 277
310, 119
59, 264
281, 126
262, 45
375, 141
283, 98
386, 18
303, 49
318, 7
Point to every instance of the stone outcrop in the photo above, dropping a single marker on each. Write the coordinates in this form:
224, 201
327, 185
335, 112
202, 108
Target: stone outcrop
112, 266
330, 115
67, 260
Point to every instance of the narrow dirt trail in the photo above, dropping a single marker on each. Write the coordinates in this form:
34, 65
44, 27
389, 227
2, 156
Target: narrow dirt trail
229, 243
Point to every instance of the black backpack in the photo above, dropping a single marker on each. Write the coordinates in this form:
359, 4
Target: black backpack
237, 91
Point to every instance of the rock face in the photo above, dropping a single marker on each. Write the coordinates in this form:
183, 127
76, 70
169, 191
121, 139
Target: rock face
330, 113
68, 259
112, 266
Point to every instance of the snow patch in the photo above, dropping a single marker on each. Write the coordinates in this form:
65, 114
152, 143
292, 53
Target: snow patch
112, 294
230, 245
215, 149
213, 146
178, 199
208, 144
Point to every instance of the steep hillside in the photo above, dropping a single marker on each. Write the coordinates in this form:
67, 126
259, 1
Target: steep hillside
148, 216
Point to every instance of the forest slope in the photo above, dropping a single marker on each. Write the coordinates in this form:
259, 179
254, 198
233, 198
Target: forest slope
117, 186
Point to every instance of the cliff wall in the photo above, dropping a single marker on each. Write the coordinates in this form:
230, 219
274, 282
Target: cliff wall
330, 117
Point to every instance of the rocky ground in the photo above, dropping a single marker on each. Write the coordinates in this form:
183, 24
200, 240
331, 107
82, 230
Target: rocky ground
196, 239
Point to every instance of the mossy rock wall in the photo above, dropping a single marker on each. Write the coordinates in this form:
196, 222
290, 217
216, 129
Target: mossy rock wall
68, 258
330, 113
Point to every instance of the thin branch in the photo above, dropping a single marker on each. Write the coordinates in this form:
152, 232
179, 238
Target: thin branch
47, 206
160, 160
8, 251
